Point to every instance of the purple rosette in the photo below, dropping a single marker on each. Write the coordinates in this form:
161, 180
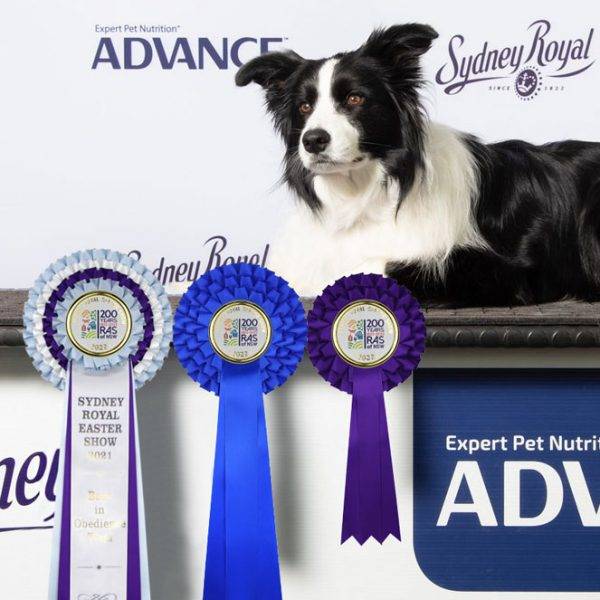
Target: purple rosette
389, 346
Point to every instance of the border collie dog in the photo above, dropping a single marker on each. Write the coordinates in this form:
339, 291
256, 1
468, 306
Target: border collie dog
383, 190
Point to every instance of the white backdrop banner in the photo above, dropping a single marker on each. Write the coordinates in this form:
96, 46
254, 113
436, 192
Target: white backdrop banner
122, 126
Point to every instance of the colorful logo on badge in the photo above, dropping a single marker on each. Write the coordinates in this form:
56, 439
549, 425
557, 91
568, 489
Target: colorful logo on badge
356, 334
88, 324
366, 334
240, 332
99, 324
231, 333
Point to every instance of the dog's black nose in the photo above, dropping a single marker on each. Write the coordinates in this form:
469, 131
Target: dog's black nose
316, 140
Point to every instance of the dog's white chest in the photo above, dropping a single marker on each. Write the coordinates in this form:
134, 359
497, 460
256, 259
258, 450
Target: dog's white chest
362, 228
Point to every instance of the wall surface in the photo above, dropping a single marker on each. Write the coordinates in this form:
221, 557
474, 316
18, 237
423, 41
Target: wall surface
176, 162
308, 432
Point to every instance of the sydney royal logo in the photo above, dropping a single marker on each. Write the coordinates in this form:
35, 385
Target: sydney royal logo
528, 83
543, 62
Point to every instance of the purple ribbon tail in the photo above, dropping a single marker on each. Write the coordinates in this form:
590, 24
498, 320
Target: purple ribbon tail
134, 579
370, 507
64, 560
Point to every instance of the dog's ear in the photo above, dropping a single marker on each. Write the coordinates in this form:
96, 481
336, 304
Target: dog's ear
269, 70
400, 43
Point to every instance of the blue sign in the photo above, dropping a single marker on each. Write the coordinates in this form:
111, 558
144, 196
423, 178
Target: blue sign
507, 479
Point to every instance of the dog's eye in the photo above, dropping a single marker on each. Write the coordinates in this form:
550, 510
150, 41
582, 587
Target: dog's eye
305, 108
355, 100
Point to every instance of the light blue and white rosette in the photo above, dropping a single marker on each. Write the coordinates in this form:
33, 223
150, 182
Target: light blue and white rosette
100, 539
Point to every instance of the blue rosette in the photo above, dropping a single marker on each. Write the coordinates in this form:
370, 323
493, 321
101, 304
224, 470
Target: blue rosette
211, 341
227, 284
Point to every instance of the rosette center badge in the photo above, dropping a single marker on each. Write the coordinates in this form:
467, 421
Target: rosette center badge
99, 324
365, 333
240, 332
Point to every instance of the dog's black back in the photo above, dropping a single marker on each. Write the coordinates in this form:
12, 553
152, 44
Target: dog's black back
539, 211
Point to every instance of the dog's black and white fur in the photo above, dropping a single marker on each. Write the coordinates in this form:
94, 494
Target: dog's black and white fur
384, 190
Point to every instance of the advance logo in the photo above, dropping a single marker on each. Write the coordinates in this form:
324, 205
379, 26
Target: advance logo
135, 52
507, 479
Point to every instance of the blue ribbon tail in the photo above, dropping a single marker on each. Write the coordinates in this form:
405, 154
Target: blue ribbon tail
242, 561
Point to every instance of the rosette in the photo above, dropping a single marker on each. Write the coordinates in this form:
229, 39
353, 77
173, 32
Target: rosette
240, 331
99, 324
66, 280
366, 335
